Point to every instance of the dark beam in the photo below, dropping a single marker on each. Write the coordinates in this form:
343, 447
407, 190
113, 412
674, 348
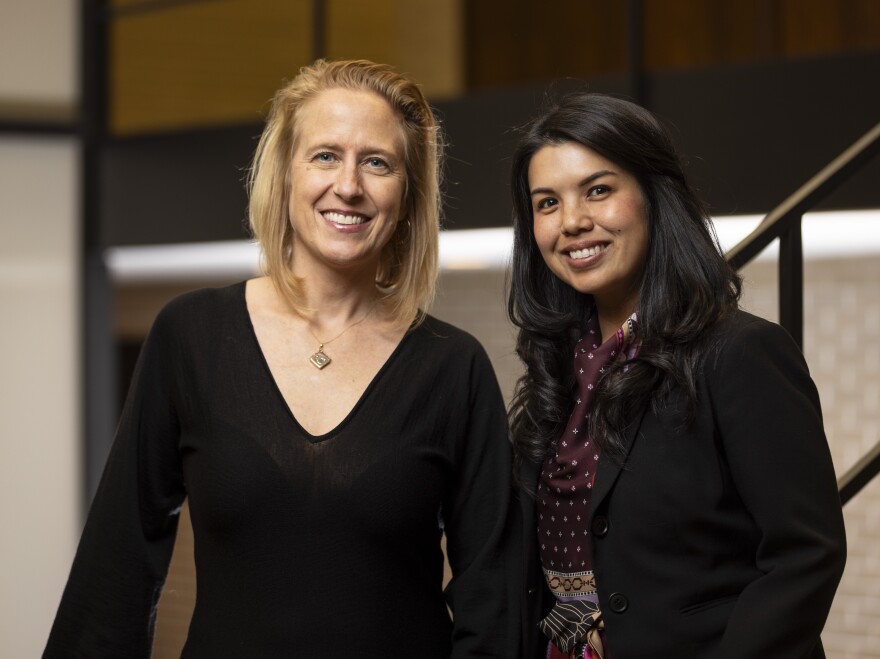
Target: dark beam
791, 283
22, 127
97, 362
638, 83
319, 29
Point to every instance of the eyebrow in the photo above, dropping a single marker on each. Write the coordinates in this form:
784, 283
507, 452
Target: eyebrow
584, 182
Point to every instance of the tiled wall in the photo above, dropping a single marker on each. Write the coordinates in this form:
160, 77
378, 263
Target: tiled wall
842, 347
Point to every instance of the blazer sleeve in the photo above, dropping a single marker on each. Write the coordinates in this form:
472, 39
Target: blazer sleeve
770, 425
479, 523
108, 606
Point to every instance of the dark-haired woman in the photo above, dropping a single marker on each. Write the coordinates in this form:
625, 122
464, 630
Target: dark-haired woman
680, 499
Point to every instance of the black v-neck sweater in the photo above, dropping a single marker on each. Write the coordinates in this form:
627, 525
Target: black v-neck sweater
304, 546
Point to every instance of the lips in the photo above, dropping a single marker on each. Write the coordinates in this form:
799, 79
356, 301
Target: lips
345, 218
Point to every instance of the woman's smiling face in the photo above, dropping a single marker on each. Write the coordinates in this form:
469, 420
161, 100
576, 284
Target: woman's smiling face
347, 180
590, 222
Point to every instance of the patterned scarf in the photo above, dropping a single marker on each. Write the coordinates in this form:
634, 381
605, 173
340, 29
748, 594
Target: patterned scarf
575, 625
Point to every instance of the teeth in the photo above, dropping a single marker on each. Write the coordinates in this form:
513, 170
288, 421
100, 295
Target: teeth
584, 253
339, 218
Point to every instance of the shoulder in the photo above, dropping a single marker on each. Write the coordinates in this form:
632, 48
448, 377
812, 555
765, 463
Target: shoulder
196, 310
449, 348
204, 299
742, 343
196, 303
446, 337
740, 329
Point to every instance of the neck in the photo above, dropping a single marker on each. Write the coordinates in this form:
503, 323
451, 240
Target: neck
337, 315
335, 298
611, 317
340, 302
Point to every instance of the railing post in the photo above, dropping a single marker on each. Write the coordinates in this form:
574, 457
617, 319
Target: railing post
791, 282
784, 223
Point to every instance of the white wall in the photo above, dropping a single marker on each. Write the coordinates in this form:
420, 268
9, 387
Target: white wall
39, 323
39, 385
38, 51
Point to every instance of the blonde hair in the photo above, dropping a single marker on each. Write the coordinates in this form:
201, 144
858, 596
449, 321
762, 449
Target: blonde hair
407, 273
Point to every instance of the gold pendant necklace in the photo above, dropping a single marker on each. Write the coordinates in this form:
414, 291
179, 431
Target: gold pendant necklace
320, 359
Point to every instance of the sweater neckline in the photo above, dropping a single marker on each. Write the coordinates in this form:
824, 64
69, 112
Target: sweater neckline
374, 383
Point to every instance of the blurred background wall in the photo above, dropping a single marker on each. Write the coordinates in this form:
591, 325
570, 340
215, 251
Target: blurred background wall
40, 403
130, 123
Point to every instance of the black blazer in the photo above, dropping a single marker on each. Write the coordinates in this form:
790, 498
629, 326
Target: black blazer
720, 539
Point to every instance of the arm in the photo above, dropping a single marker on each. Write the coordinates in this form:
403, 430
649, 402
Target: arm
770, 425
108, 606
478, 517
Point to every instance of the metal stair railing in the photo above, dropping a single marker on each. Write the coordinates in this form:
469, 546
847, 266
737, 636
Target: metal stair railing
784, 223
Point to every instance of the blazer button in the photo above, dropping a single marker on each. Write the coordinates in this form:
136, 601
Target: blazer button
599, 526
618, 602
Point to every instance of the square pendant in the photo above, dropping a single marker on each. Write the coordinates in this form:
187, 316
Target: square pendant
319, 360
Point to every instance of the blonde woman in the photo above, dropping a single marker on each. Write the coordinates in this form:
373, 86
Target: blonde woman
325, 430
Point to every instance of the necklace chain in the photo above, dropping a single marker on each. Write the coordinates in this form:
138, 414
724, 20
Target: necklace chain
320, 359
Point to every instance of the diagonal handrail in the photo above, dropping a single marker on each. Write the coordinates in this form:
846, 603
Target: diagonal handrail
788, 214
859, 475
784, 223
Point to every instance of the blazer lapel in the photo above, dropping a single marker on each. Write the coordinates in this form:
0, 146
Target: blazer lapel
608, 469
606, 475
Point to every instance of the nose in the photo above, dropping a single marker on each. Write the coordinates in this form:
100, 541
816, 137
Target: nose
348, 182
575, 219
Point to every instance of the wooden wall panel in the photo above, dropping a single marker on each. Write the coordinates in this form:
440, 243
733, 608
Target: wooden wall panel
682, 34
518, 41
812, 27
361, 29
744, 30
421, 38
205, 63
863, 25
215, 62
521, 41
678, 34
430, 38
218, 61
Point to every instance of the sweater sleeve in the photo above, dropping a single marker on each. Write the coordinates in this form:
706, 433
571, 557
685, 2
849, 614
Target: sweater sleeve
479, 529
108, 606
770, 424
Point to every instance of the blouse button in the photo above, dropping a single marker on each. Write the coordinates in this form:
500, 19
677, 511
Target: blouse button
618, 602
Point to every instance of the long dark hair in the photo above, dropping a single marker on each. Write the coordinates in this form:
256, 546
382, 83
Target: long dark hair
686, 284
